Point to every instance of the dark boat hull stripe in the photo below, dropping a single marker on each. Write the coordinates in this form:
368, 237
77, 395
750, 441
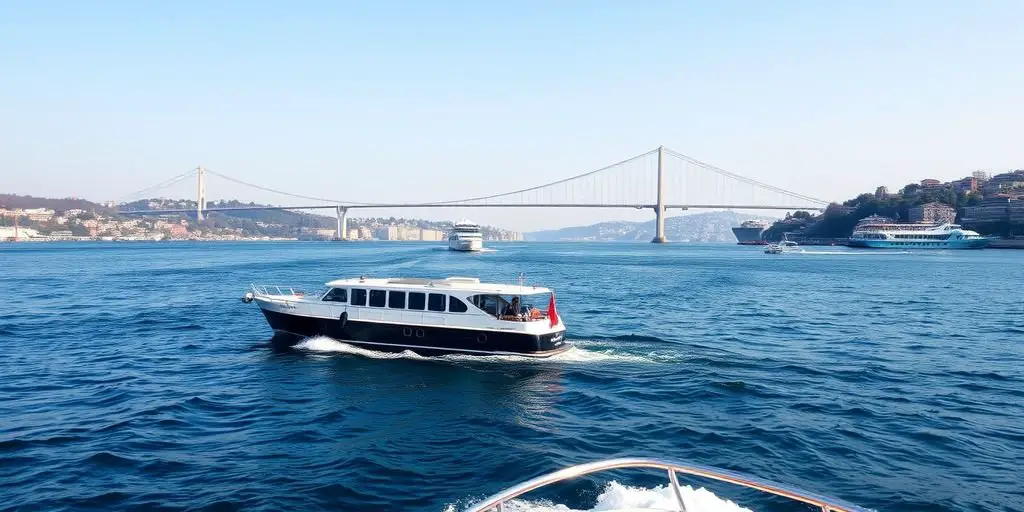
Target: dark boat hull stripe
424, 340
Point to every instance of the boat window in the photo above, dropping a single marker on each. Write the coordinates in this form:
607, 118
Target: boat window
491, 304
436, 302
417, 300
336, 295
396, 300
377, 298
456, 306
358, 297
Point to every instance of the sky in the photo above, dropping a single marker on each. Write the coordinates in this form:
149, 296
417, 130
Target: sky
412, 101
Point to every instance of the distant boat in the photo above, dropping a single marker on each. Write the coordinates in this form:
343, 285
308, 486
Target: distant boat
915, 236
465, 236
781, 247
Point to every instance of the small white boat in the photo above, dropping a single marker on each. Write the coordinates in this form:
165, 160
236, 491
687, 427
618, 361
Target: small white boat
456, 315
682, 495
781, 247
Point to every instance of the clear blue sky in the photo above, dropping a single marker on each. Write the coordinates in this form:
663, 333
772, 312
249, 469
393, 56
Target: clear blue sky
410, 100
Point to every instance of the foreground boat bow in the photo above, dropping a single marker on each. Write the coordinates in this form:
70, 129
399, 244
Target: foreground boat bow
825, 504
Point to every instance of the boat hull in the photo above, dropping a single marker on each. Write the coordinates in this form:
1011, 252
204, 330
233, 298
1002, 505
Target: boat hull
423, 340
913, 244
466, 245
749, 235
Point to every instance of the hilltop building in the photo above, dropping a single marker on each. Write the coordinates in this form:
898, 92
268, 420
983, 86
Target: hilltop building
932, 213
995, 209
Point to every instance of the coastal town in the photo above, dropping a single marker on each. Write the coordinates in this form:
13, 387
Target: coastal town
42, 224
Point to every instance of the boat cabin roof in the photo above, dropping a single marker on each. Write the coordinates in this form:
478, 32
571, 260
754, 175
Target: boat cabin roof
464, 284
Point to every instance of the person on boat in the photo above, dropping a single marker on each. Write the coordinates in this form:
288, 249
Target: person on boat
512, 311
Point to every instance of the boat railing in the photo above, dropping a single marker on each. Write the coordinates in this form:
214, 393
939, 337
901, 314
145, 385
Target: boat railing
496, 503
272, 289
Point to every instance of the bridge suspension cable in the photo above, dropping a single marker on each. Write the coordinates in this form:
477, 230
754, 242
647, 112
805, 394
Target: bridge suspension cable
164, 184
289, 194
744, 179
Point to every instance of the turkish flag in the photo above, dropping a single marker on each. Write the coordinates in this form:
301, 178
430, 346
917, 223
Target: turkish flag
552, 313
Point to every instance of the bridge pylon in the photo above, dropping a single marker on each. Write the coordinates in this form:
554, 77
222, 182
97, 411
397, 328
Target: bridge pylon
342, 233
201, 200
659, 210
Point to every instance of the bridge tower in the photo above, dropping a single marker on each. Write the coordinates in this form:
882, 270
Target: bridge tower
659, 210
201, 200
342, 223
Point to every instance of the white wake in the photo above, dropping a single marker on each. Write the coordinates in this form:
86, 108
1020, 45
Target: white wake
575, 354
622, 497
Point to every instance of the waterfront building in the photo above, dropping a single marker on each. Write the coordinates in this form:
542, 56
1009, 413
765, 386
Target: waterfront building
431, 235
38, 214
932, 213
178, 230
930, 183
365, 233
353, 234
995, 209
1004, 182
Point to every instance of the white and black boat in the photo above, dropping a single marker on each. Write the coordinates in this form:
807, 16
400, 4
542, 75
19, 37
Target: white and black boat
456, 315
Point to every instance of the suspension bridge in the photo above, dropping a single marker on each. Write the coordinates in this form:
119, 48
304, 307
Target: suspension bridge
659, 180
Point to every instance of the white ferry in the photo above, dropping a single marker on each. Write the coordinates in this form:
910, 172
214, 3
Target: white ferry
781, 247
917, 236
465, 236
457, 315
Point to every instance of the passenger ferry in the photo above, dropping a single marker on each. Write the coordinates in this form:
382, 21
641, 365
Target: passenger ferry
781, 247
917, 236
456, 315
465, 236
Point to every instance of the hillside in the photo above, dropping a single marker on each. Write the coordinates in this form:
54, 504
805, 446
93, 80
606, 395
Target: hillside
700, 227
14, 201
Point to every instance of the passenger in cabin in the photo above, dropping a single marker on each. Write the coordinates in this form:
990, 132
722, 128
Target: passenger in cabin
512, 311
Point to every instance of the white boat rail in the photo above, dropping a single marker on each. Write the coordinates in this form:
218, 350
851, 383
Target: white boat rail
826, 504
271, 289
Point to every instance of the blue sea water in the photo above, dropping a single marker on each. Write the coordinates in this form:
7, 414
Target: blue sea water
133, 377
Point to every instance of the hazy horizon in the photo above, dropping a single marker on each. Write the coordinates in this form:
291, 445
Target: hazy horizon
405, 101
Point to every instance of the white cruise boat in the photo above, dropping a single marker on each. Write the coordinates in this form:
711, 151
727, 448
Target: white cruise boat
465, 236
681, 498
880, 235
456, 315
781, 247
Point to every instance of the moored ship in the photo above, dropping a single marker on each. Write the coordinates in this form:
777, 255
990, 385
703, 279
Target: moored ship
456, 315
880, 235
465, 236
750, 232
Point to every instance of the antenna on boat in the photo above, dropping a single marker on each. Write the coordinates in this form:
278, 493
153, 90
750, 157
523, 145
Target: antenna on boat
522, 278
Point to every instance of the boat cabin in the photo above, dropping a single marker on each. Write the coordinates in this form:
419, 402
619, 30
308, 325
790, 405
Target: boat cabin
462, 296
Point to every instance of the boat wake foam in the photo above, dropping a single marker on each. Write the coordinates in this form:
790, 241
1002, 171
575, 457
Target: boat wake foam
849, 253
623, 497
575, 354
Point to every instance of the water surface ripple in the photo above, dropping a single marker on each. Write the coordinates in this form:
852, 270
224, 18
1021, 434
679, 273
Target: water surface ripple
132, 377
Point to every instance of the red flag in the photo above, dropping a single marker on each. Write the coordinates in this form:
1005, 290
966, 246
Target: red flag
552, 314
